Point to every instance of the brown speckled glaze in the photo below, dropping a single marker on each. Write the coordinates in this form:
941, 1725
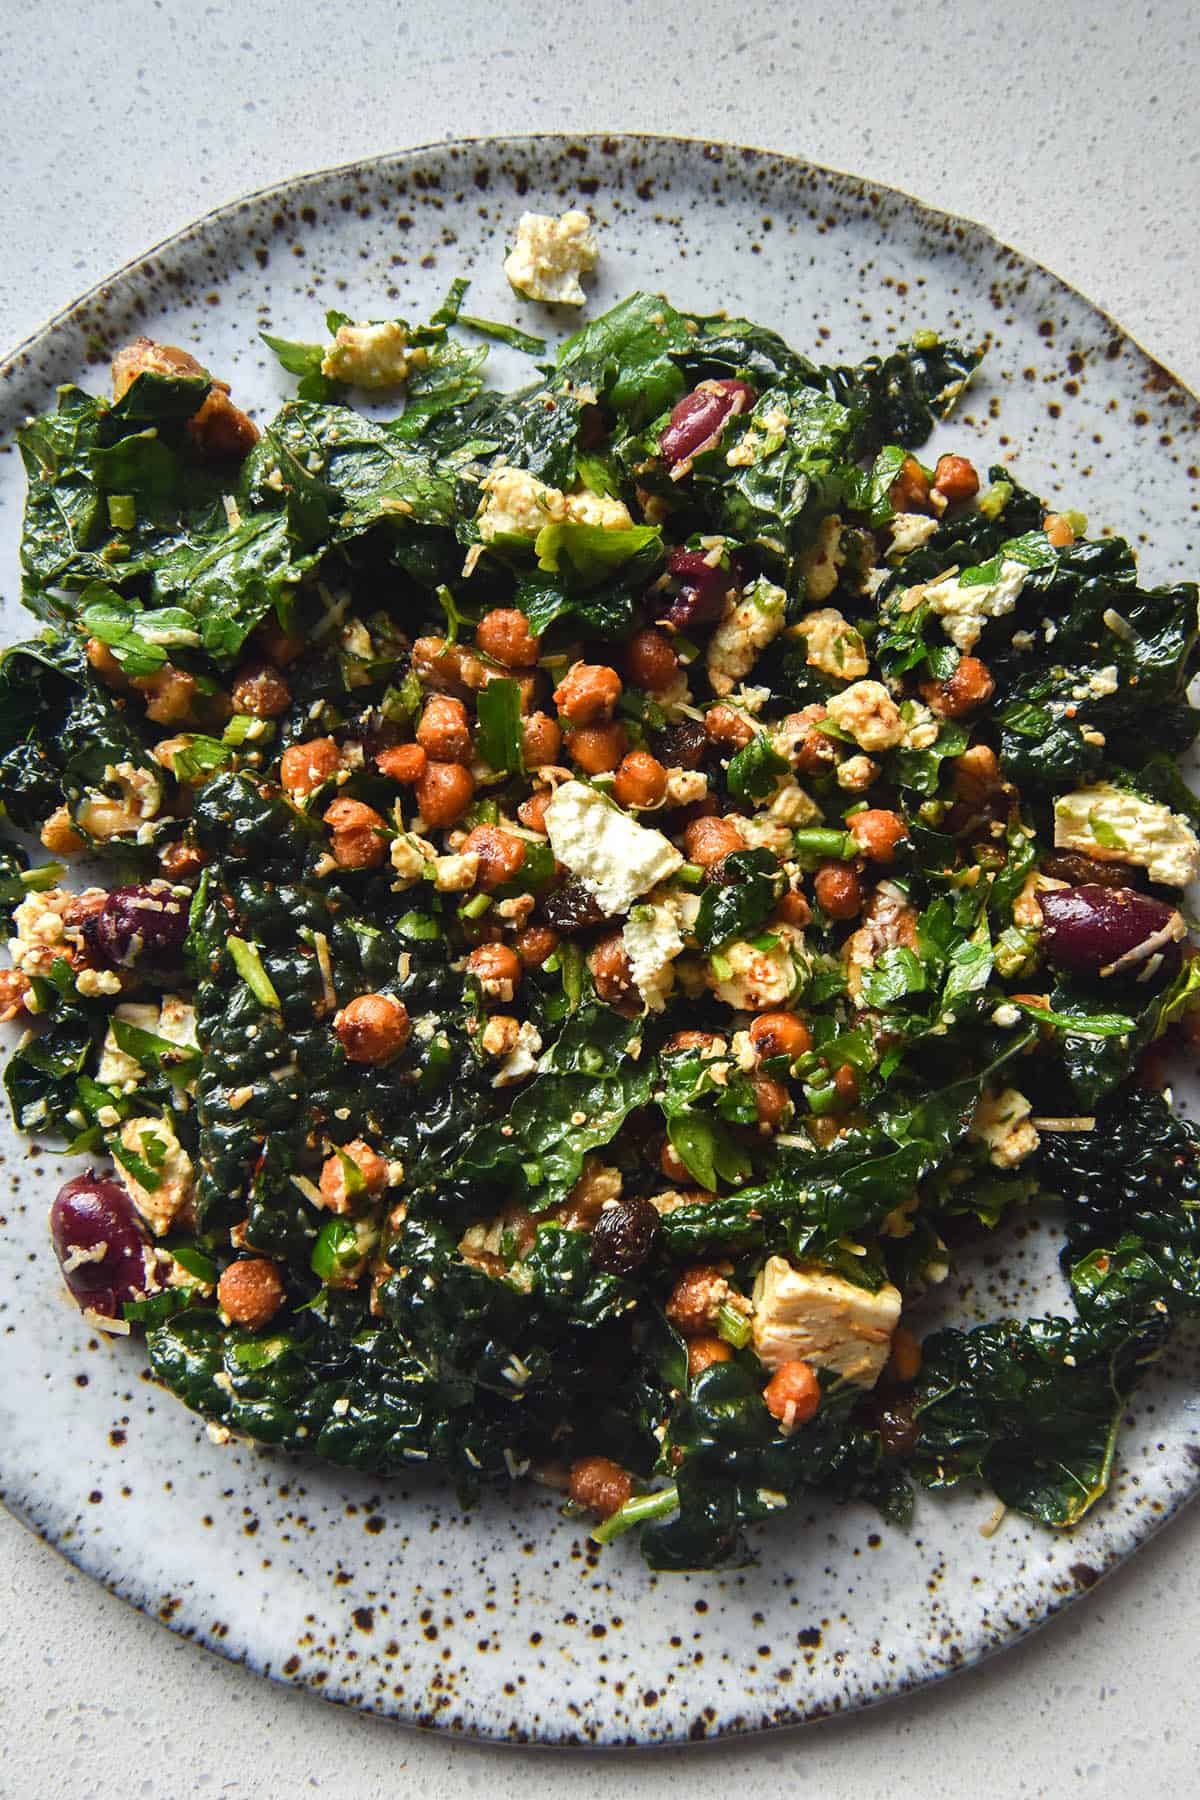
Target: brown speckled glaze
507, 1623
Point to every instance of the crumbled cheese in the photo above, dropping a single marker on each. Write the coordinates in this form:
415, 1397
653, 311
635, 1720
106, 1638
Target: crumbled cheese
517, 504
617, 859
522, 1057
834, 646
652, 940
909, 532
964, 611
174, 1020
1098, 686
867, 711
454, 874
1110, 825
409, 855
822, 563
159, 1205
750, 624
921, 729
685, 786
757, 979
92, 983
372, 356
1002, 1122
550, 255
809, 1315
856, 774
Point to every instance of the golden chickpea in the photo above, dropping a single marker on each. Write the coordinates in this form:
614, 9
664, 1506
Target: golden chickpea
976, 773
588, 693
1059, 530
596, 749
260, 690
970, 686
535, 945
599, 1484
692, 1040
500, 854
444, 793
497, 968
334, 1186
793, 908
727, 728
703, 1352
845, 1082
305, 767
650, 660
101, 658
838, 890
59, 835
541, 740
532, 812
13, 988
904, 1364
780, 1034
181, 862
707, 840
910, 490
405, 763
793, 1395
360, 834
772, 1102
373, 1028
250, 1292
171, 695
641, 780
696, 1299
444, 732
814, 751
449, 668
956, 478
877, 833
612, 971
504, 635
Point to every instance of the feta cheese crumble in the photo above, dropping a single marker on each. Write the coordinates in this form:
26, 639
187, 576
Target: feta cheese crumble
1110, 825
550, 255
372, 356
617, 859
809, 1315
965, 610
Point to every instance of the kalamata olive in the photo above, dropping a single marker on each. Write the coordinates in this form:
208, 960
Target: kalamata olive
699, 416
99, 1243
1093, 930
681, 746
623, 1236
141, 927
572, 907
701, 596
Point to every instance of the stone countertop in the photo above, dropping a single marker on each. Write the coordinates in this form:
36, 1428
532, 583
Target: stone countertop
1068, 130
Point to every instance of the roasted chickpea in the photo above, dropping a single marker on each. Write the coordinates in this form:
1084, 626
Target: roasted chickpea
541, 740
335, 1184
838, 890
877, 833
448, 667
693, 1040
956, 478
772, 1102
360, 834
444, 793
970, 686
535, 945
250, 1292
910, 490
181, 862
641, 780
444, 731
497, 969
306, 767
814, 751
845, 1081
101, 658
597, 749
650, 660
260, 690
1059, 530
171, 694
780, 1034
588, 693
793, 908
976, 773
500, 854
58, 834
599, 1484
504, 635
532, 812
727, 728
277, 645
904, 1363
696, 1299
707, 840
612, 971
13, 988
405, 763
793, 1395
373, 1028
703, 1352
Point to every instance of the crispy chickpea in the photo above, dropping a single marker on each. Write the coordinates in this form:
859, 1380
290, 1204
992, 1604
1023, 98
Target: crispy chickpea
444, 793
373, 1028
780, 1034
500, 854
845, 1083
360, 834
444, 731
814, 750
976, 773
59, 835
956, 478
180, 861
793, 908
877, 833
727, 728
405, 763
532, 812
101, 658
612, 971
706, 841
672, 1164
260, 690
541, 740
599, 1484
650, 660
1059, 530
250, 1292
497, 968
597, 749
334, 1183
641, 780
13, 988
970, 686
277, 645
696, 1299
535, 945
693, 1040
504, 635
305, 767
772, 1102
588, 693
171, 695
448, 667
905, 1360
793, 1395
910, 490
838, 890
703, 1352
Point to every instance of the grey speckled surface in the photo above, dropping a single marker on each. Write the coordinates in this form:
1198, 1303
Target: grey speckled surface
1065, 140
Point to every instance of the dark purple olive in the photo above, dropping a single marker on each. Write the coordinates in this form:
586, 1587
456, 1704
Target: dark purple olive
572, 907
682, 746
1093, 930
99, 1243
700, 599
141, 927
623, 1236
699, 416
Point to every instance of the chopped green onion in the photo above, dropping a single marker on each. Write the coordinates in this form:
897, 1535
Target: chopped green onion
475, 907
733, 1326
691, 874
817, 840
636, 1512
249, 965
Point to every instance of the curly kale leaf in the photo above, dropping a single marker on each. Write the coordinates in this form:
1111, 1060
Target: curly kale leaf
1137, 1171
749, 890
901, 397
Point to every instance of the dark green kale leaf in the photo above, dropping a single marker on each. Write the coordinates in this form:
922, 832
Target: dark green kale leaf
902, 396
1137, 1171
750, 885
629, 356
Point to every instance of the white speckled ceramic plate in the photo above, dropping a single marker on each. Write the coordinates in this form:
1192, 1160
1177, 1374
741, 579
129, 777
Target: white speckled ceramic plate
507, 1623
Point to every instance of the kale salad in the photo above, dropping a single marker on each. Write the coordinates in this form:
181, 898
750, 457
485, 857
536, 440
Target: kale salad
589, 899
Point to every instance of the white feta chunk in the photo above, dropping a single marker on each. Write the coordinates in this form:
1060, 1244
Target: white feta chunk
747, 628
867, 711
154, 1143
965, 610
807, 1314
550, 255
909, 532
522, 1058
834, 646
756, 979
1107, 823
372, 356
1002, 1122
617, 859
822, 563
652, 940
517, 504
